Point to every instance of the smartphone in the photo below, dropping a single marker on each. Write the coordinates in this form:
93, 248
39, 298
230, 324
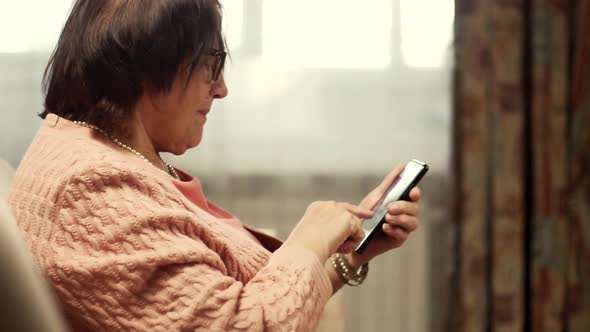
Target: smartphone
399, 190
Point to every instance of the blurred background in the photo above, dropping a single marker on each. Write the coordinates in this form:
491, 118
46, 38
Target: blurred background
327, 96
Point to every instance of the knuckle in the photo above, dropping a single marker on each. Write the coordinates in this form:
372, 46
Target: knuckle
331, 203
411, 224
314, 205
395, 206
403, 205
343, 207
402, 220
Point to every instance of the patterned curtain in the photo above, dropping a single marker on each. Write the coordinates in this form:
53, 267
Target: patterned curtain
522, 166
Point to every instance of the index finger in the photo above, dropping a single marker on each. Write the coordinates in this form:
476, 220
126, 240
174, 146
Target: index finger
389, 178
358, 211
376, 194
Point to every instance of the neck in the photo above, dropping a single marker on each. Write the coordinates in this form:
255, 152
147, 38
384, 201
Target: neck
139, 139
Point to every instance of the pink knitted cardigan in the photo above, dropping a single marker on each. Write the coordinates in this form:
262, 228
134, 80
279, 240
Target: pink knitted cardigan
124, 249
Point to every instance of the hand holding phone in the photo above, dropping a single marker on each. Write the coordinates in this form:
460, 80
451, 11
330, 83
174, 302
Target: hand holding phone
399, 190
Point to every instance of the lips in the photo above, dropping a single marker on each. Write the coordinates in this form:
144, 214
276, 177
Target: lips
203, 114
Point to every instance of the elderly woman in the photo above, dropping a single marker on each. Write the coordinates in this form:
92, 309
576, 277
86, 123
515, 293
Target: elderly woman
127, 241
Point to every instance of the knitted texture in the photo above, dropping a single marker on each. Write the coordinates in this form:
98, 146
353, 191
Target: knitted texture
125, 250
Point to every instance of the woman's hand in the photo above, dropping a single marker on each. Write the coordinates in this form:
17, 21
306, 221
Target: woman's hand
330, 227
400, 221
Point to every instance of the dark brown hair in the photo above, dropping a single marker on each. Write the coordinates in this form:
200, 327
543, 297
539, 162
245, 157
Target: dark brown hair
109, 51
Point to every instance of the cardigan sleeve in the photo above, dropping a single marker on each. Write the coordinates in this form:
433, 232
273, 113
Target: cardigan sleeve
127, 256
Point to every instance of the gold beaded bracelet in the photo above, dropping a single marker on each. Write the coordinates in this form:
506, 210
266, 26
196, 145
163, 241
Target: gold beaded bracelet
347, 273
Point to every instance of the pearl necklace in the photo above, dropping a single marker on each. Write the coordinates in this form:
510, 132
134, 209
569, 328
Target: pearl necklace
171, 171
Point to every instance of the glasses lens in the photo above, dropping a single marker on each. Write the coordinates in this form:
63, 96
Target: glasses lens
217, 68
218, 65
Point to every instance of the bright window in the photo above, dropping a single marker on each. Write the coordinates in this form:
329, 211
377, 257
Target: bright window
31, 25
233, 22
426, 31
327, 33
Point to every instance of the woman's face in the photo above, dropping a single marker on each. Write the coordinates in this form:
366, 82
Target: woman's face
174, 121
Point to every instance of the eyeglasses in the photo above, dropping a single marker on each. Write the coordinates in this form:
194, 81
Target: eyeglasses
217, 67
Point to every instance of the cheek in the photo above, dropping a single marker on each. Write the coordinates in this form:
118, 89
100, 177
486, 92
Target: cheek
191, 129
185, 124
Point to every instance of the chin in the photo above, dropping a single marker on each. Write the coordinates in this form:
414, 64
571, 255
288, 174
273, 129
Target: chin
177, 152
181, 149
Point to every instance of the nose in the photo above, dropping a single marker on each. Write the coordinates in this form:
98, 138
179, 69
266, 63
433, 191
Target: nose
218, 88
